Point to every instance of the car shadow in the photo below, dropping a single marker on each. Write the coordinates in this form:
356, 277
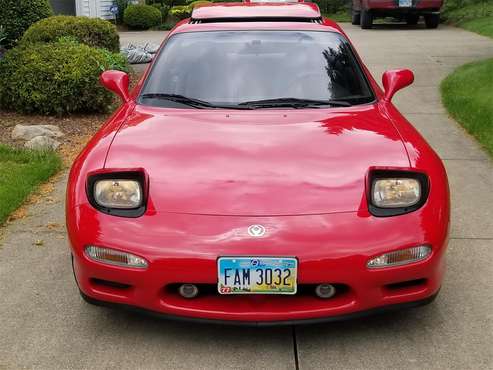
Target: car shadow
398, 27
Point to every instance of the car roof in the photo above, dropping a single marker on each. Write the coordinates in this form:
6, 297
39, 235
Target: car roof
255, 16
256, 10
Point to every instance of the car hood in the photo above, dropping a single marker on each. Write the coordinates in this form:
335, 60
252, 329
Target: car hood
256, 162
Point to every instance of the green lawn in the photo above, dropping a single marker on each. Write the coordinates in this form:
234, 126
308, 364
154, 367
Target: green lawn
483, 26
21, 171
472, 15
468, 96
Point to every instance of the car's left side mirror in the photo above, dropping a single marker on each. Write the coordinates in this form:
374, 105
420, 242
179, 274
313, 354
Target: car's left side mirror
117, 82
395, 80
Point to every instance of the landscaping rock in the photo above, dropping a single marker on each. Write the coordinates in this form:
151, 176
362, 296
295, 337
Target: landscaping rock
28, 132
42, 143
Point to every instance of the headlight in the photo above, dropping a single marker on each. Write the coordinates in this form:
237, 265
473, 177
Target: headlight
395, 192
118, 193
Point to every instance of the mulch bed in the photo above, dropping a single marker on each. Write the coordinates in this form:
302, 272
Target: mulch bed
77, 129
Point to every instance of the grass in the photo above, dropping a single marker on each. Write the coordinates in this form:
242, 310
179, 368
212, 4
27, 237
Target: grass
483, 26
475, 17
468, 95
21, 171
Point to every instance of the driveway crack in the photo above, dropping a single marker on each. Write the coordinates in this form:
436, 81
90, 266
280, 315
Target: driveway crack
295, 349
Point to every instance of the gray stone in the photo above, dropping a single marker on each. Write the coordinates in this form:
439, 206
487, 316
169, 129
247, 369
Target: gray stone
42, 143
28, 132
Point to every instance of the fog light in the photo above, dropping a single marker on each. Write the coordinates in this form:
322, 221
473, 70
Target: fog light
400, 257
325, 290
114, 257
188, 290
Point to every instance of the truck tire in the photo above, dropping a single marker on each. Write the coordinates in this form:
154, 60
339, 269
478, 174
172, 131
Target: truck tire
412, 19
356, 18
366, 19
432, 20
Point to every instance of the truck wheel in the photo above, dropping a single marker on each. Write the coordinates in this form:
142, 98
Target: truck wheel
432, 20
412, 19
356, 18
366, 19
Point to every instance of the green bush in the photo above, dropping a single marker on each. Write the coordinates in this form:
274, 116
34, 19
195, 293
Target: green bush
94, 32
163, 9
168, 25
122, 5
462, 11
332, 6
195, 3
56, 78
172, 3
181, 11
17, 15
3, 35
141, 17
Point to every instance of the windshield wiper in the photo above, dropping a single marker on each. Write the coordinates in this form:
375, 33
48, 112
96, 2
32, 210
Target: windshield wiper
196, 103
294, 102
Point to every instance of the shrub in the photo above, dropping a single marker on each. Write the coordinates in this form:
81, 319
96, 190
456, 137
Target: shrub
94, 32
163, 9
168, 25
185, 11
172, 3
181, 11
331, 6
463, 11
122, 5
17, 15
193, 4
56, 78
3, 35
142, 16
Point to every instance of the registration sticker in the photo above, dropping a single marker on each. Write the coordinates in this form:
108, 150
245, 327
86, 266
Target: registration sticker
257, 275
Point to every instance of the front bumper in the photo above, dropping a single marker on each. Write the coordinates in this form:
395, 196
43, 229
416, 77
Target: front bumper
331, 248
351, 316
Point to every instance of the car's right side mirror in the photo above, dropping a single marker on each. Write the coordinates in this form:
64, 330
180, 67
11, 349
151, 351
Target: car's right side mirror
395, 80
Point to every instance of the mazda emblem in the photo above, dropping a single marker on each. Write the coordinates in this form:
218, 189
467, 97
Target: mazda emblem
256, 230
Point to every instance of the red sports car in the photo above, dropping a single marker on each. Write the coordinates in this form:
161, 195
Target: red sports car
258, 174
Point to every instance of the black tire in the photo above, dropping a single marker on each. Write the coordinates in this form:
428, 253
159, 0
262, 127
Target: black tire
366, 19
432, 20
356, 18
412, 19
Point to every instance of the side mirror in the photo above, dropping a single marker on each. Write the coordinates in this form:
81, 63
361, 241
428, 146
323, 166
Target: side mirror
395, 80
117, 82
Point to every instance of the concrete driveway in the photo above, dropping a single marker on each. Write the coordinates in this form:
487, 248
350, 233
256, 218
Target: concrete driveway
44, 323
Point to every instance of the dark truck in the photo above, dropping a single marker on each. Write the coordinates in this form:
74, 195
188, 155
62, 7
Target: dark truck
365, 11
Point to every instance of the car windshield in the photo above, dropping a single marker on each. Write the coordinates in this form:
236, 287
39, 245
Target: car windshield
255, 69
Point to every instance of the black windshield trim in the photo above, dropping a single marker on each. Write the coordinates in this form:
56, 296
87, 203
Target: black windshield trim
357, 60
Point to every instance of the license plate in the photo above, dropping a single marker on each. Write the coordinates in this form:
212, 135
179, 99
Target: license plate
405, 3
257, 275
